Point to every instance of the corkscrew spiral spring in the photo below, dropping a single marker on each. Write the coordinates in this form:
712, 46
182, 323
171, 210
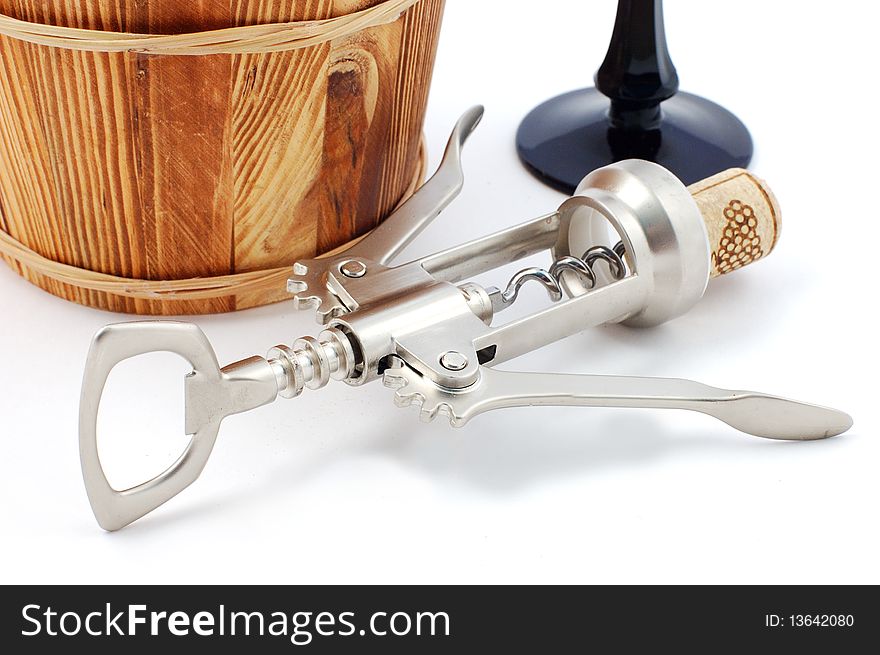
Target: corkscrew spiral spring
311, 363
551, 279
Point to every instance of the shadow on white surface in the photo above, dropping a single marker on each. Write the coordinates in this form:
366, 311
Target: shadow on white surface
490, 458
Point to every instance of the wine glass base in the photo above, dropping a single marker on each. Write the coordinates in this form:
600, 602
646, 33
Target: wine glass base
568, 136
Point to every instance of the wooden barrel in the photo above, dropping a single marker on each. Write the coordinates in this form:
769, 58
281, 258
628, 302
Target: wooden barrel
169, 167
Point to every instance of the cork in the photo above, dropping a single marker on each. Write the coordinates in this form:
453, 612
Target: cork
742, 218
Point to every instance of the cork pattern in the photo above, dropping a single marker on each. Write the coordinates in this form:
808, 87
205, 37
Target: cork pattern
740, 244
742, 219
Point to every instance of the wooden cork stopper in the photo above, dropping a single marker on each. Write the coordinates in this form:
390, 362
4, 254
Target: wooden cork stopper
742, 218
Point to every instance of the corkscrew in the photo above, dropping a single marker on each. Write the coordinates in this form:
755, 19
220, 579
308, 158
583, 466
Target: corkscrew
435, 339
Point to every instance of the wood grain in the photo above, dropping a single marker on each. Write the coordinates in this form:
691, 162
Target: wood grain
170, 167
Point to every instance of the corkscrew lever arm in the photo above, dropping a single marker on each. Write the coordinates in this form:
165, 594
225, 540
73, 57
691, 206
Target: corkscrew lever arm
396, 232
755, 413
314, 282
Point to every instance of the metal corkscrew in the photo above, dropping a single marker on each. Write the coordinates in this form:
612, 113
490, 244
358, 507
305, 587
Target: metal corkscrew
435, 339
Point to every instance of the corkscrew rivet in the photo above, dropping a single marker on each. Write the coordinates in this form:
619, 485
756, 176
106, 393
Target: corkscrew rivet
353, 268
454, 361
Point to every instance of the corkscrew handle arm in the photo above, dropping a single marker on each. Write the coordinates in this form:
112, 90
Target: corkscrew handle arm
397, 231
758, 414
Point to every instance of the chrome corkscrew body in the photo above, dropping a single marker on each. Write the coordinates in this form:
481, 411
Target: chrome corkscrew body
432, 335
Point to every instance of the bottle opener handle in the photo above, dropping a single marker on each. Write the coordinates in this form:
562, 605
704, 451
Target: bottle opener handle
212, 394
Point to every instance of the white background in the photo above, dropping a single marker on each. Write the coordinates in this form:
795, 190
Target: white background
341, 486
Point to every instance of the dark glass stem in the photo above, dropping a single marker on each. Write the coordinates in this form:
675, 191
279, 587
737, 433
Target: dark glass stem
637, 74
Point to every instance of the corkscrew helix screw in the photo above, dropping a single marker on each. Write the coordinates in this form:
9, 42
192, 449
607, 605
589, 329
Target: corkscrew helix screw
430, 334
551, 278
